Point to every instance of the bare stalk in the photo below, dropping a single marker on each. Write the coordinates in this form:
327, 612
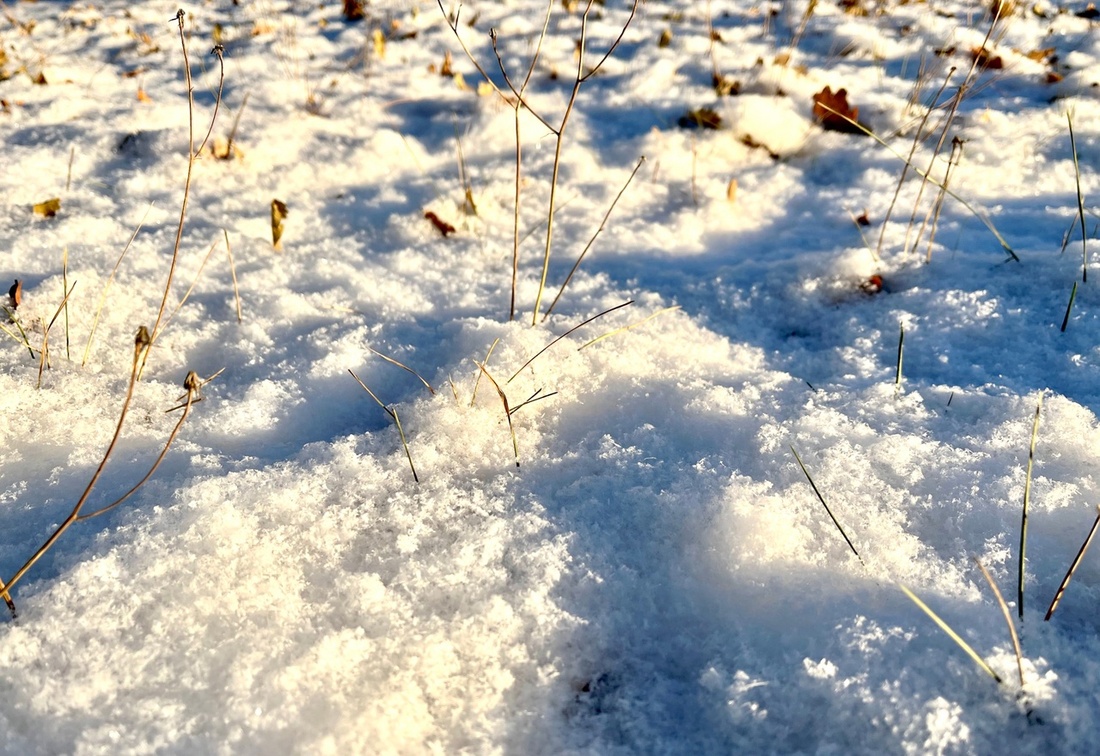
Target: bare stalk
1073, 567
592, 241
191, 155
559, 338
1008, 619
141, 346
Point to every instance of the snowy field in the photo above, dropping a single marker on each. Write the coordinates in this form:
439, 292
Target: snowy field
643, 567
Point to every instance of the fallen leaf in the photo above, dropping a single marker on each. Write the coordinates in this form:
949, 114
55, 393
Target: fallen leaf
834, 114
441, 225
725, 86
142, 97
221, 149
1089, 12
1054, 78
49, 208
278, 215
666, 39
353, 10
986, 59
15, 294
731, 190
379, 41
700, 118
40, 79
1041, 55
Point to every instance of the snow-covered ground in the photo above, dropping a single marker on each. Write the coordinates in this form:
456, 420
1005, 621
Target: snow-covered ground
656, 575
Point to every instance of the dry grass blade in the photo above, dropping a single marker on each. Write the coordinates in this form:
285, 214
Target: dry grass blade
1008, 619
507, 409
625, 328
901, 355
477, 381
1073, 567
571, 330
392, 412
406, 368
1080, 201
1069, 306
1027, 502
22, 337
952, 634
65, 288
233, 273
538, 396
592, 241
950, 192
191, 288
821, 498
44, 352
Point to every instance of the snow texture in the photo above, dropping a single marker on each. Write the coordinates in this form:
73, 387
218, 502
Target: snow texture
656, 576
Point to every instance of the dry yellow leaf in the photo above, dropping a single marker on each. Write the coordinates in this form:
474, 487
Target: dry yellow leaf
731, 190
379, 43
278, 215
49, 208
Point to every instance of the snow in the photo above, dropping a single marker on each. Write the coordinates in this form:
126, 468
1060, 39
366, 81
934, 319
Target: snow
656, 575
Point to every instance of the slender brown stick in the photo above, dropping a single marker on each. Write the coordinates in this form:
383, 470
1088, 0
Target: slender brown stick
141, 346
592, 241
44, 352
1073, 567
233, 273
559, 338
406, 368
1008, 619
507, 409
191, 154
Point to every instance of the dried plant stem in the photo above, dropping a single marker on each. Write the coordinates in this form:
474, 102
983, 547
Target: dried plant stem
1073, 567
625, 328
141, 346
909, 162
1027, 502
821, 498
1069, 306
952, 634
924, 175
233, 273
1080, 202
44, 352
538, 396
22, 337
507, 409
192, 153
937, 207
571, 330
901, 355
477, 381
404, 367
1008, 619
592, 241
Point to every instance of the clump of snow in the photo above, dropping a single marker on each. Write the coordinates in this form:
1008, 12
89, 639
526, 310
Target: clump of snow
656, 574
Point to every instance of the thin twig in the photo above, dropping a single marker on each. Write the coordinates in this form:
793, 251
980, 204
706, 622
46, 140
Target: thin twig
559, 338
1008, 619
1027, 502
830, 512
406, 368
1073, 567
592, 241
